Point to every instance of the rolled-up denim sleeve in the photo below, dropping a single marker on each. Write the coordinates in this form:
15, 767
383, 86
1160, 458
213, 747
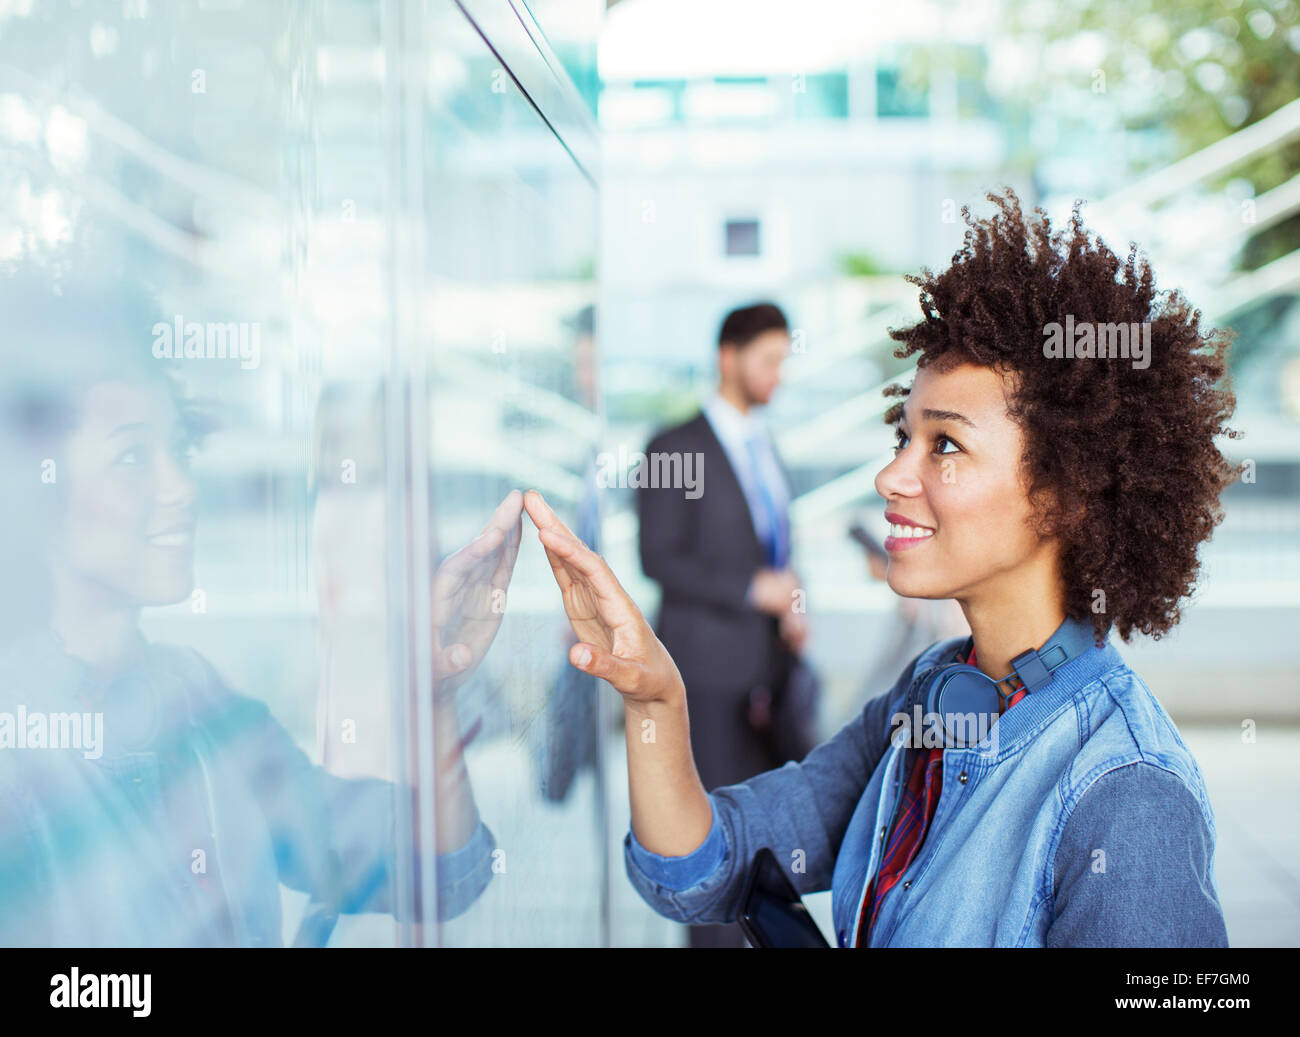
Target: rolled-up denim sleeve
463, 874
800, 811
1134, 867
358, 829
338, 838
678, 873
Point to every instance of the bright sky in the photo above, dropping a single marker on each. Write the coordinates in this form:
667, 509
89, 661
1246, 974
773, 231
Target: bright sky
651, 39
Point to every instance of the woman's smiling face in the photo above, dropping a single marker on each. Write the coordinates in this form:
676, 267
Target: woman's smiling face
129, 519
956, 479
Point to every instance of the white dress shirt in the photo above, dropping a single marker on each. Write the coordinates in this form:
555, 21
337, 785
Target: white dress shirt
734, 430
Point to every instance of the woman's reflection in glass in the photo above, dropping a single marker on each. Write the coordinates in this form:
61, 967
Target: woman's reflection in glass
178, 825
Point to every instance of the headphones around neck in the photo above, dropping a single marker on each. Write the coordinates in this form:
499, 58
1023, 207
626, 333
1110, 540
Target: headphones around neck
965, 702
141, 711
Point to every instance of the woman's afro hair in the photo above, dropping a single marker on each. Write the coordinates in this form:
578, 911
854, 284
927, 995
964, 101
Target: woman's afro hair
1120, 461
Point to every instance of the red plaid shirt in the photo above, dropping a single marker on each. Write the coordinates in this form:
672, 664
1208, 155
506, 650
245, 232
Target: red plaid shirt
920, 797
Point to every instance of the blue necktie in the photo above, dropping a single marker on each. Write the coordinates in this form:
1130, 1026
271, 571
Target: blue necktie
778, 537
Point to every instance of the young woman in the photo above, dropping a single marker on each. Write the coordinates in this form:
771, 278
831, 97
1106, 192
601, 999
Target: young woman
1055, 496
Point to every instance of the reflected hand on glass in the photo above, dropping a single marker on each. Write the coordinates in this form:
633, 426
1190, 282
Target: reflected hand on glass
469, 595
615, 642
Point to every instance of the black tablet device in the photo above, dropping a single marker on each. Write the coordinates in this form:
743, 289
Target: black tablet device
771, 914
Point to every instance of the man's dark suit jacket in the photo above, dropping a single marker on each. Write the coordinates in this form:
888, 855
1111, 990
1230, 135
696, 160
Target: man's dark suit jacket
703, 553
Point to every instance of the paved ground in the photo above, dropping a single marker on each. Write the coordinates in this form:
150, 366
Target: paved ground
1255, 791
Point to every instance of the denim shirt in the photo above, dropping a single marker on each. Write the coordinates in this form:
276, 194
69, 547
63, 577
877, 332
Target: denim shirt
1082, 819
97, 852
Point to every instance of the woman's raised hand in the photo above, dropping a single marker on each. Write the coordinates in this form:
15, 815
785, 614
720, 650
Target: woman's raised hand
615, 642
469, 595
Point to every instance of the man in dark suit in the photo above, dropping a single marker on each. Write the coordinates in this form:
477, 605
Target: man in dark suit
732, 613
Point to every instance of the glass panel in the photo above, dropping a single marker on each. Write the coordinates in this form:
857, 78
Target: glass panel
198, 270
510, 262
240, 413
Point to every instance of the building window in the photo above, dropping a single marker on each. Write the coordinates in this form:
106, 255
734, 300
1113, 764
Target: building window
822, 95
899, 96
742, 237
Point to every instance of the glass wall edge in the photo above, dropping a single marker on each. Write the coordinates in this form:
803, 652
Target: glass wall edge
512, 34
407, 465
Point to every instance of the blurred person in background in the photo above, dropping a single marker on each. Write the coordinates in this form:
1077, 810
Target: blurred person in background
164, 808
731, 614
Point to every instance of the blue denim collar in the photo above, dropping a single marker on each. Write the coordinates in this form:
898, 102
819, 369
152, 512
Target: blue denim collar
1021, 722
1027, 717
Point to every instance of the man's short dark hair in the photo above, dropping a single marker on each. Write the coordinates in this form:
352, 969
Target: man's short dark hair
742, 326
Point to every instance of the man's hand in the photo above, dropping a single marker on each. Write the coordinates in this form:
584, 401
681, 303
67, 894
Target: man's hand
794, 631
760, 709
772, 590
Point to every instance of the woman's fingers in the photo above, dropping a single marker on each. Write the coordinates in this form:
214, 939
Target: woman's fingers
545, 519
584, 566
451, 661
571, 559
456, 567
456, 575
507, 565
542, 515
644, 671
625, 676
508, 511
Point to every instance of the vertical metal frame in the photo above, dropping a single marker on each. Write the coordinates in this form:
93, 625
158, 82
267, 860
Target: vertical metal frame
407, 468
508, 31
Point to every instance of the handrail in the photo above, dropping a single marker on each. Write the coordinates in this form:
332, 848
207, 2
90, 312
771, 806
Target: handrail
1269, 132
